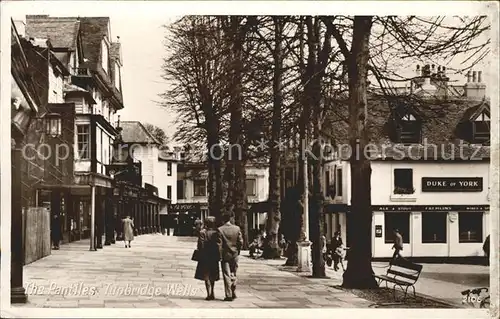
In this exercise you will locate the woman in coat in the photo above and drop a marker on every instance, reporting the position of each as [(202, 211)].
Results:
[(128, 231), (207, 269)]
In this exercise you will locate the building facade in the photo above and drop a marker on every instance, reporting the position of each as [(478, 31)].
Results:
[(87, 97), (430, 173)]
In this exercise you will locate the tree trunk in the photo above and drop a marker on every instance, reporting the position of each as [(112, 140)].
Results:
[(214, 185), (272, 248), (359, 273)]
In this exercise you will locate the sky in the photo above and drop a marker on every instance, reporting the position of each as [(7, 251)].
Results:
[(140, 28)]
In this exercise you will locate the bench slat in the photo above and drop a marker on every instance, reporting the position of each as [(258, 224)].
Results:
[(402, 274), (394, 280)]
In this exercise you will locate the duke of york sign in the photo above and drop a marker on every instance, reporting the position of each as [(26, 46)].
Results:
[(452, 184)]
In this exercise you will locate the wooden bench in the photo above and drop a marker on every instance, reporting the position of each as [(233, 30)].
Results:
[(402, 273)]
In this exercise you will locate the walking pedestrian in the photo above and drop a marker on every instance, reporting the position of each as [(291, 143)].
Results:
[(209, 245), (337, 251), (232, 241), (55, 233), (128, 230), (398, 244), (197, 227)]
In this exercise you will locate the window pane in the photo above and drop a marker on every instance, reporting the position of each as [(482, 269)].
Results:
[(169, 192), (434, 227), (180, 189), (83, 137), (400, 221), (200, 188), (403, 181), (250, 187), (470, 225), (339, 182)]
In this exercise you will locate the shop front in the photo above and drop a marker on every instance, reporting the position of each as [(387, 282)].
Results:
[(441, 232), (181, 217)]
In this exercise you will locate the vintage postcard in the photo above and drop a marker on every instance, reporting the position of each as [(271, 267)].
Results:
[(249, 159)]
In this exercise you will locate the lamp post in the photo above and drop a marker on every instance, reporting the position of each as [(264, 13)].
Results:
[(304, 245)]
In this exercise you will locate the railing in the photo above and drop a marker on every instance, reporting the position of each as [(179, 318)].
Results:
[(81, 71)]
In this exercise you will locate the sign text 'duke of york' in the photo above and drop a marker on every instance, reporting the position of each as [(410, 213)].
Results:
[(452, 184)]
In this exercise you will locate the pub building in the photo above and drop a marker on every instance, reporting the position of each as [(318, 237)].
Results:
[(430, 172)]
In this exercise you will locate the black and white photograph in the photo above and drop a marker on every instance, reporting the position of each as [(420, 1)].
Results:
[(255, 159)]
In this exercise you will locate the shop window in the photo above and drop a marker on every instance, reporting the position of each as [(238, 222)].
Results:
[(169, 192), (403, 181), (180, 190), (200, 187), (470, 226), (400, 221), (251, 187), (434, 225)]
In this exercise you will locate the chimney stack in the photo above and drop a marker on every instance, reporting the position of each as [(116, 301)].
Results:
[(475, 89)]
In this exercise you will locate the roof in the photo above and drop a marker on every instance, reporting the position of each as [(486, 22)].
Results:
[(62, 32), (71, 89), (135, 132), (93, 29), (439, 123)]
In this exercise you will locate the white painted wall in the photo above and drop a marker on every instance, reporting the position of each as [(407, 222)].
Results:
[(148, 155), (55, 87), (163, 180)]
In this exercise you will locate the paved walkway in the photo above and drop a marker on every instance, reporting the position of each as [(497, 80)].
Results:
[(157, 272)]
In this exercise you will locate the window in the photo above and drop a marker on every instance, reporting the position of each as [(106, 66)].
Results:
[(400, 221), (403, 181), (180, 190), (338, 183), (434, 227), (83, 141), (481, 132), (410, 130), (470, 227), (200, 187), (104, 57), (169, 169), (251, 187), (169, 192)]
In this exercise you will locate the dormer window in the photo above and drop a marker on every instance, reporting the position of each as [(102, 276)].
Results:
[(409, 129), (481, 129)]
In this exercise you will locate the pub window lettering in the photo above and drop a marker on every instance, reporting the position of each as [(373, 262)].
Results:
[(470, 225), (200, 188), (403, 181), (434, 229)]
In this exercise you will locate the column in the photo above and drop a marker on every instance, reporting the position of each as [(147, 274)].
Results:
[(99, 218), (92, 219), (17, 291), (108, 218)]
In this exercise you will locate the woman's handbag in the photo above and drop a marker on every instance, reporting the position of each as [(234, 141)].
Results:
[(196, 255)]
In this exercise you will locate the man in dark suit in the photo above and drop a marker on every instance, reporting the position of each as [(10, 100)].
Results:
[(232, 241), (398, 244)]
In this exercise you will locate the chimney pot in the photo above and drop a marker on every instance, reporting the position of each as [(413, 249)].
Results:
[(474, 76), (479, 76)]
